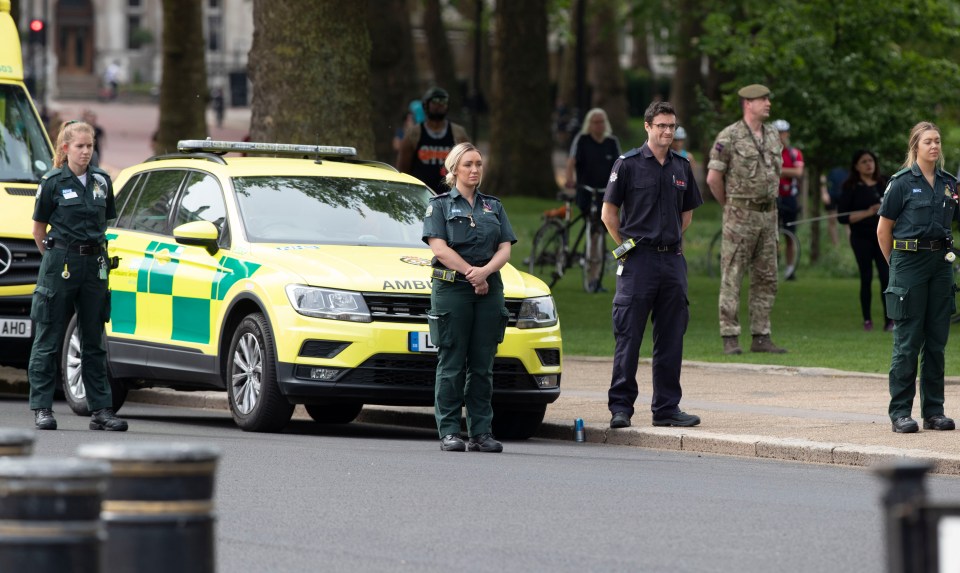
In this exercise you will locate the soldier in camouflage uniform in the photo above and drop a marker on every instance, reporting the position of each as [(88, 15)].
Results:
[(744, 175)]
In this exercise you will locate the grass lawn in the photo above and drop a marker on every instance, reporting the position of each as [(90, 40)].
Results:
[(816, 317)]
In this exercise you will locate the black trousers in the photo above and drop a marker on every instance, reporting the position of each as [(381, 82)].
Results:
[(868, 254), (651, 285)]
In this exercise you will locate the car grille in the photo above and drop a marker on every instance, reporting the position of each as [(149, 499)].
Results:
[(413, 308), (21, 192), (421, 371), (549, 356), (322, 348), (25, 264)]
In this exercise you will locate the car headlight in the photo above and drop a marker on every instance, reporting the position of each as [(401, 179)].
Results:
[(328, 303), (539, 312)]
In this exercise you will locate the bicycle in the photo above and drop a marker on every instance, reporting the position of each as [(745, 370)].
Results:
[(553, 253), (784, 266)]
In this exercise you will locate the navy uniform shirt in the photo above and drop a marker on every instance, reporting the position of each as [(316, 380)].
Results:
[(76, 213), (651, 196), (919, 211), (449, 217)]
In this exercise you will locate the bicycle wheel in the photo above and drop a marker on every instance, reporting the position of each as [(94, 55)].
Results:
[(788, 254), (548, 257), (713, 254)]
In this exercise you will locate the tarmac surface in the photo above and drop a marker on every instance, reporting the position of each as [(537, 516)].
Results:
[(801, 414)]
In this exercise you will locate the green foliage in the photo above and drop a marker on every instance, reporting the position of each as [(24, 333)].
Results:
[(845, 74)]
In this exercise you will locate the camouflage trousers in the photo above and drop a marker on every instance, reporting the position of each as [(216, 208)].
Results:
[(749, 243)]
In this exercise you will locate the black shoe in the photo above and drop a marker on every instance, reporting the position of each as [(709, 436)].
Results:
[(105, 419), (484, 443), (620, 420), (938, 422), (452, 443), (44, 420), (678, 419), (905, 425)]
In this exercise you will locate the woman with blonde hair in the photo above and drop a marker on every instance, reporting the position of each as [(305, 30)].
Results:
[(470, 237), (592, 154), (73, 204), (914, 232)]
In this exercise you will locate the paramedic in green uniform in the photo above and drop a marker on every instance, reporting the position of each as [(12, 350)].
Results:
[(918, 208), (75, 200), (470, 237)]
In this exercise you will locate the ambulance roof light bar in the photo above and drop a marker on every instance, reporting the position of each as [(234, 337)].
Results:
[(251, 147)]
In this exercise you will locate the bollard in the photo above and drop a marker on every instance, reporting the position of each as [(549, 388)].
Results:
[(903, 505), (578, 433), (16, 442), (50, 515), (158, 507)]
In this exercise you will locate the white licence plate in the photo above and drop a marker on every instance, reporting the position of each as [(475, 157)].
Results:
[(16, 328), (420, 342)]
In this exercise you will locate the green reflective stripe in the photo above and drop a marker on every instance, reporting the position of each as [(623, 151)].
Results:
[(191, 319), (123, 311), (235, 270), (155, 278)]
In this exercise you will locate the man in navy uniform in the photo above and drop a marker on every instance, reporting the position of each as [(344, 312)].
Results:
[(649, 202)]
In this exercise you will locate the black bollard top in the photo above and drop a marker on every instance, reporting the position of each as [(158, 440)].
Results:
[(24, 468), (155, 452), (903, 469), (16, 436)]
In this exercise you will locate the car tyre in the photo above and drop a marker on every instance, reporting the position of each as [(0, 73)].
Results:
[(334, 413), (71, 372), (251, 378), (517, 422)]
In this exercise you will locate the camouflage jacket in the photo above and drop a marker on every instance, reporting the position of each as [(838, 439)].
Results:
[(751, 167)]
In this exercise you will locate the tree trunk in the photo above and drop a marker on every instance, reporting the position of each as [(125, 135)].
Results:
[(640, 55), (479, 84), (393, 72), (687, 76), (520, 149), (441, 59), (603, 56), (310, 68), (183, 89)]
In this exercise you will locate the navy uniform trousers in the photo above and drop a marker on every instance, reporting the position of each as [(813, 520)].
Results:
[(652, 284)]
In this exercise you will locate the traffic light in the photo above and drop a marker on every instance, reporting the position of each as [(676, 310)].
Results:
[(38, 32)]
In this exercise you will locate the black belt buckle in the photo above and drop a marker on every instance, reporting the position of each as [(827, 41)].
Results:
[(444, 275), (905, 244), (662, 248)]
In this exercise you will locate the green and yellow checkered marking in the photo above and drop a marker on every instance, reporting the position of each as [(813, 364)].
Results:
[(163, 293)]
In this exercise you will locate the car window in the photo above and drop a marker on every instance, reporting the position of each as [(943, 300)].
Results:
[(130, 189), (202, 200), (332, 210), (154, 201)]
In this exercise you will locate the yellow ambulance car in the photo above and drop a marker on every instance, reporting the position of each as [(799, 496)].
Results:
[(294, 275), (25, 155)]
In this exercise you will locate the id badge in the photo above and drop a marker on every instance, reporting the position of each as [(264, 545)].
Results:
[(619, 269), (102, 272)]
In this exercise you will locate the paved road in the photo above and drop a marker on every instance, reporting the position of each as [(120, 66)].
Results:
[(365, 497)]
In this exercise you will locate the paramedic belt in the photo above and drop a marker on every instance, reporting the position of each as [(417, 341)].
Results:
[(752, 204), (82, 248), (919, 245), (660, 248), (448, 275)]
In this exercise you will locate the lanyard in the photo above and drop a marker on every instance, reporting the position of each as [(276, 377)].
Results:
[(756, 143)]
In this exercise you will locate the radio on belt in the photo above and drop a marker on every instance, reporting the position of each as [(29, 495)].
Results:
[(624, 248)]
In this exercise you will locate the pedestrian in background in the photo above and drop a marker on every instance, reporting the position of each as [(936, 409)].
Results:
[(859, 203), (592, 154), (788, 206), (75, 200), (470, 237), (744, 175), (916, 215), (679, 141), (649, 202), (425, 146)]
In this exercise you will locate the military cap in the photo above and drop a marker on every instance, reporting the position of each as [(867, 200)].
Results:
[(753, 91)]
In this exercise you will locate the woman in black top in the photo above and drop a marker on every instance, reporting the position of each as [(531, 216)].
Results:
[(860, 201)]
